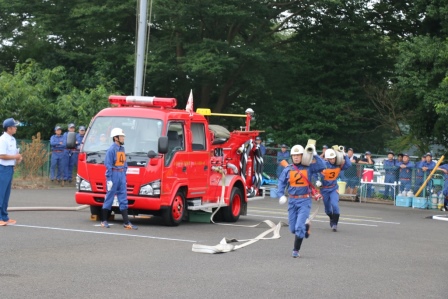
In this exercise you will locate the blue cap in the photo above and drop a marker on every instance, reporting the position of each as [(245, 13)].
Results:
[(10, 122), (406, 154), (258, 138), (325, 146), (57, 128), (82, 128), (284, 145), (368, 153), (72, 125), (391, 152), (429, 154)]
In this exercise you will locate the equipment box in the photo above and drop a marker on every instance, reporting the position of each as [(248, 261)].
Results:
[(419, 202), (403, 201)]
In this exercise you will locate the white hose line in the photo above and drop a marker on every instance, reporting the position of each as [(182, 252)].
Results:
[(16, 209)]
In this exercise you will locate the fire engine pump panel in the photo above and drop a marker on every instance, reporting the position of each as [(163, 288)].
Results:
[(177, 162)]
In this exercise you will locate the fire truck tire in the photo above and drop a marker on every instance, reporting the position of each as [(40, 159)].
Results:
[(174, 215), (232, 212), (96, 210)]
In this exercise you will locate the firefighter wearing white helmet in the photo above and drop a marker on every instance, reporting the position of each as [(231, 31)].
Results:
[(296, 177), (116, 167), (329, 187)]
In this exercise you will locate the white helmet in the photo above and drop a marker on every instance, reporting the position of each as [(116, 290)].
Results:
[(297, 150), (330, 154), (116, 132)]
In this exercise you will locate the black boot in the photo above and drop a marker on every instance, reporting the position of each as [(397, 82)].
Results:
[(104, 214), (124, 214), (335, 222), (331, 219), (297, 245)]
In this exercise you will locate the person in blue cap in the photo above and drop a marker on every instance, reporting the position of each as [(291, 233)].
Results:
[(427, 166), (330, 186), (419, 173), (391, 170), (70, 156), (79, 138), (324, 148), (283, 154), (57, 145), (405, 173), (369, 163), (9, 156), (116, 167), (258, 141), (444, 169)]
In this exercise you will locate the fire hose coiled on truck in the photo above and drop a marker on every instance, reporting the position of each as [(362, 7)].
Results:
[(245, 150)]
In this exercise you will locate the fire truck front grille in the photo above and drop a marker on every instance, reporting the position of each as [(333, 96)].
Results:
[(101, 187), (130, 188)]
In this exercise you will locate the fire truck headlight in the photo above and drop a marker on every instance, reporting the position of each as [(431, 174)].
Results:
[(82, 184), (152, 188)]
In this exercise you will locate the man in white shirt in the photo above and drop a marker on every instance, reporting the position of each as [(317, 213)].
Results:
[(9, 155)]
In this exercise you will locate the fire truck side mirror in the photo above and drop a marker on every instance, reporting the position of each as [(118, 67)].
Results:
[(163, 145), (152, 154)]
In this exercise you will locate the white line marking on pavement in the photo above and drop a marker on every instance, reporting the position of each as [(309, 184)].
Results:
[(314, 220), (104, 233)]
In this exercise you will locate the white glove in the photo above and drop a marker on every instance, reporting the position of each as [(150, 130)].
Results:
[(283, 200), (318, 184), (109, 185)]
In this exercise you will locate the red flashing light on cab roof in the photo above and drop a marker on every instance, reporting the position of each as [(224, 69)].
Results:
[(142, 101)]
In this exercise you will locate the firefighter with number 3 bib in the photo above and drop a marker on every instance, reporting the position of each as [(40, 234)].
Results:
[(330, 187), (297, 178), (116, 167)]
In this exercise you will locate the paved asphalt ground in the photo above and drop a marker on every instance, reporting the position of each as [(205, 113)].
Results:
[(380, 251)]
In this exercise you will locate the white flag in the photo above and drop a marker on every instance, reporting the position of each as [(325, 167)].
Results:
[(189, 107)]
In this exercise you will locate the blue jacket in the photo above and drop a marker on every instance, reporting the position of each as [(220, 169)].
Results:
[(391, 167), (330, 175), (282, 156), (406, 173), (57, 143), (115, 158), (293, 177)]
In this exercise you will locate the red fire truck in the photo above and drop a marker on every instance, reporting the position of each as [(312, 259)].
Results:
[(177, 161)]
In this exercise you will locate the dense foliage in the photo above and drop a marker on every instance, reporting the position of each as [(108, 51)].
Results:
[(365, 74)]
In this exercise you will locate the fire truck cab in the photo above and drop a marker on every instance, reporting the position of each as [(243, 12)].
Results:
[(176, 162)]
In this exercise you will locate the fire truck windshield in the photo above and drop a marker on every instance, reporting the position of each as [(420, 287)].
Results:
[(142, 135)]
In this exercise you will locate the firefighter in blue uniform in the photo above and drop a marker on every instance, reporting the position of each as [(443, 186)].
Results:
[(116, 167), (57, 144), (330, 187), (444, 169), (405, 173), (427, 166), (79, 138), (297, 178), (283, 154), (419, 173), (391, 170), (70, 156)]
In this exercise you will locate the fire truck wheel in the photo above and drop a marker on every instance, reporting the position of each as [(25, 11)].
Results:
[(232, 212), (174, 215), (96, 210)]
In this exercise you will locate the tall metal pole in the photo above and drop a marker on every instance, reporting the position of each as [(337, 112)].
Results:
[(141, 47)]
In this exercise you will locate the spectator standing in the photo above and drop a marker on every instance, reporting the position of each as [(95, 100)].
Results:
[(283, 154), (427, 166), (57, 144), (405, 173), (116, 167), (368, 163), (391, 171), (444, 169), (296, 178), (351, 174), (9, 156), (419, 173), (70, 156), (330, 187), (324, 148), (259, 142)]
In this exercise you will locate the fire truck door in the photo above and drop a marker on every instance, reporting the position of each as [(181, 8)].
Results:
[(200, 161)]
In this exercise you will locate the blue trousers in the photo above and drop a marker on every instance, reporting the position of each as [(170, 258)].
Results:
[(57, 160), (405, 185), (119, 189), (390, 178), (6, 173), (331, 200), (298, 211), (70, 160), (418, 184)]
